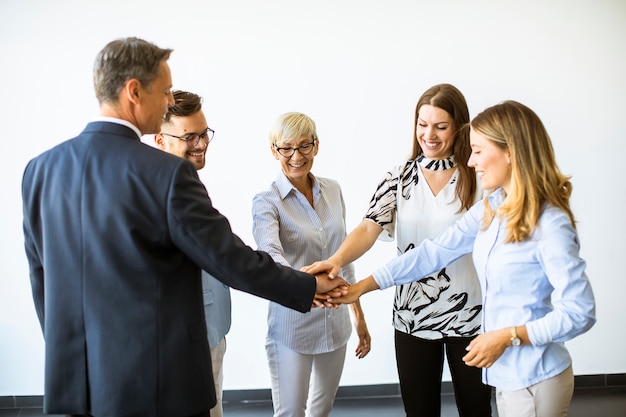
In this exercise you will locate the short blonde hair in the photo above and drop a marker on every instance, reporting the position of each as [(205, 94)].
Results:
[(535, 176), (292, 125)]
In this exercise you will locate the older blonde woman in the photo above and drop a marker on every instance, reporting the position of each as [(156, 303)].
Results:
[(299, 219)]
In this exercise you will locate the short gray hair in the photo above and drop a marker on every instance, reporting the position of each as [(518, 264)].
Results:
[(122, 60)]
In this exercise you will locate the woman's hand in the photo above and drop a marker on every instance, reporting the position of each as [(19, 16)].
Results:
[(365, 340), (353, 292), (486, 348), (329, 266), (321, 300)]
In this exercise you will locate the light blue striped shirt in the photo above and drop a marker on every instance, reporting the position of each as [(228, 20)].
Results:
[(217, 308), (540, 282), (296, 234)]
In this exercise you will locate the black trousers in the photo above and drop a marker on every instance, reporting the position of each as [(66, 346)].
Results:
[(420, 368)]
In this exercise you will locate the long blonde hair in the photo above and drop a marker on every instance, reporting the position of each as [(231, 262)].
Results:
[(535, 176)]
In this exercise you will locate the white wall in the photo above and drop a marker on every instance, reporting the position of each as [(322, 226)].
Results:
[(357, 67)]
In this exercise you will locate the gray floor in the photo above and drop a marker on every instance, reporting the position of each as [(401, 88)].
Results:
[(587, 402)]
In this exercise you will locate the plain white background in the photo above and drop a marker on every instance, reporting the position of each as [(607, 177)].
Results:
[(357, 67)]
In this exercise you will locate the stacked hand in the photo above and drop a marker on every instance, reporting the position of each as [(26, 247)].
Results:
[(340, 293), (328, 266), (353, 292), (327, 289)]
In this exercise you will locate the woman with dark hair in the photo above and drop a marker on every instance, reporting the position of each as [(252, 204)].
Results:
[(439, 314)]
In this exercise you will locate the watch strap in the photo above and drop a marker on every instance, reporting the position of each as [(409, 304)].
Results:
[(515, 340)]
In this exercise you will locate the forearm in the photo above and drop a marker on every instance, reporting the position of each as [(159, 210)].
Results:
[(353, 292), (364, 345), (366, 285), (357, 311), (359, 241)]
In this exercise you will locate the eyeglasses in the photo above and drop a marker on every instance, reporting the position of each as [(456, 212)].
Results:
[(303, 149), (194, 138)]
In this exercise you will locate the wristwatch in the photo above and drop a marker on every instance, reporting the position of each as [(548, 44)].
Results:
[(515, 340)]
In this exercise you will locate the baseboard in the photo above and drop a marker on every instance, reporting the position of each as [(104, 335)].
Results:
[(582, 382), (357, 391)]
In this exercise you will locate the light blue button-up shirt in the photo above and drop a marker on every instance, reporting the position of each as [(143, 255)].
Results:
[(296, 234), (217, 308), (540, 283)]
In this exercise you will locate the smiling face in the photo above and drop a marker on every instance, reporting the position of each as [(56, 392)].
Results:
[(297, 166), (491, 162), (435, 131), (184, 126)]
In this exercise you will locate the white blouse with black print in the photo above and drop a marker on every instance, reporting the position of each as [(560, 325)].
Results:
[(445, 304)]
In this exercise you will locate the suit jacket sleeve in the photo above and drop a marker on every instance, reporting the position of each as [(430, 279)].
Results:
[(34, 259), (205, 235)]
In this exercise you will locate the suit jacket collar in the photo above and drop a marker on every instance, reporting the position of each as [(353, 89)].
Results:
[(107, 121)]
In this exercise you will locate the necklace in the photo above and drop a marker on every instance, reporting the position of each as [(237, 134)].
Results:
[(436, 164)]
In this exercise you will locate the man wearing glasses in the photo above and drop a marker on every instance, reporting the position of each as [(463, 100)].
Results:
[(185, 133)]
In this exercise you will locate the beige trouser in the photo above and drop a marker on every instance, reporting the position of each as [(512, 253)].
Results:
[(549, 398), (217, 359), (303, 384)]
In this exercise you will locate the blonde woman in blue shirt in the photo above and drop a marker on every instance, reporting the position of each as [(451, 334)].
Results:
[(536, 294), (299, 219)]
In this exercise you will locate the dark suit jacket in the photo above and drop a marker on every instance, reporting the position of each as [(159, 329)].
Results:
[(116, 233)]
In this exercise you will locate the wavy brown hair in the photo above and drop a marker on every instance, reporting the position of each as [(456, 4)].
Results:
[(447, 97), (185, 104), (535, 176)]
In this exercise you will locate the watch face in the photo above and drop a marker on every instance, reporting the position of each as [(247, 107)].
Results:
[(516, 341)]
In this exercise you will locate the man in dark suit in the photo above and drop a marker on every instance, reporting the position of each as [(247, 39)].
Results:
[(116, 234)]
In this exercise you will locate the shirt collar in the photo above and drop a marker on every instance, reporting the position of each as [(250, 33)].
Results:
[(120, 122), (285, 186), (497, 198)]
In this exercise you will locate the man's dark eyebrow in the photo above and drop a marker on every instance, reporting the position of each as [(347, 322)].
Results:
[(196, 133)]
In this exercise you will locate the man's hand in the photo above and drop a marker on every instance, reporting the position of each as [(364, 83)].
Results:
[(328, 288), (328, 266)]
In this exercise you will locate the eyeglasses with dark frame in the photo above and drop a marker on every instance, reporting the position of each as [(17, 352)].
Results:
[(303, 149), (193, 139)]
